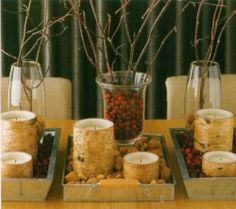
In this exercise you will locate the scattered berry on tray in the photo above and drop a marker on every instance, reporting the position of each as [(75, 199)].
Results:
[(43, 160)]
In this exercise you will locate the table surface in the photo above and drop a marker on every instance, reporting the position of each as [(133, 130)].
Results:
[(55, 197)]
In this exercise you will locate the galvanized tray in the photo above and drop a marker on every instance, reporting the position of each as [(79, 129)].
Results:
[(204, 188), (32, 189), (142, 192)]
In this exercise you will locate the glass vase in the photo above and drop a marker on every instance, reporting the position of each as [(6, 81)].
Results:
[(26, 90), (124, 95), (203, 89)]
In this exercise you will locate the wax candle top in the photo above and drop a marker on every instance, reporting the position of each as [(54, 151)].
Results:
[(15, 158), (214, 113), (18, 115), (93, 124), (220, 156), (141, 158)]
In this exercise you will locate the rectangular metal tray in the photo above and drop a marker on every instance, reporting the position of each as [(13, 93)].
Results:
[(32, 189), (142, 192), (204, 188)]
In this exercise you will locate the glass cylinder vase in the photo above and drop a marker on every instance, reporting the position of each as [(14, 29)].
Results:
[(124, 95), (26, 90), (203, 89)]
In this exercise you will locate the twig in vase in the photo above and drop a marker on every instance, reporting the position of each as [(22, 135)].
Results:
[(174, 29), (38, 32), (228, 20), (214, 28), (216, 33), (19, 60), (197, 29), (104, 40), (217, 28)]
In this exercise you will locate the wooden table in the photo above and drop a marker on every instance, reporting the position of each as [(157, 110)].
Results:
[(55, 198)]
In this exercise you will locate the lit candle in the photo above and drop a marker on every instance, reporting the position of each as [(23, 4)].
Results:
[(213, 130), (142, 166), (17, 165), (19, 132), (219, 163), (93, 147)]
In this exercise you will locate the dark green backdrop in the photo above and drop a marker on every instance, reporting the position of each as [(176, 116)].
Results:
[(69, 61)]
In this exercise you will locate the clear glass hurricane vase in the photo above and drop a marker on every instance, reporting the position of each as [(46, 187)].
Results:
[(26, 89), (124, 96), (203, 89)]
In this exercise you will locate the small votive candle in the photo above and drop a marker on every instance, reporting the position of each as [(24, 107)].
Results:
[(219, 163), (213, 130), (17, 165), (142, 166)]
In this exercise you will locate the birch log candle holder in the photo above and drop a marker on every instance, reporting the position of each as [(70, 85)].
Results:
[(17, 165), (219, 163), (93, 147), (142, 166), (213, 130), (20, 132)]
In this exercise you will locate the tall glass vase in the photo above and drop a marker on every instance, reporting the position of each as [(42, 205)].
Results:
[(26, 90), (124, 103), (203, 89)]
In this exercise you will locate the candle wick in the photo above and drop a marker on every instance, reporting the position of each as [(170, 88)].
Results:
[(15, 161), (95, 128), (141, 160), (220, 158)]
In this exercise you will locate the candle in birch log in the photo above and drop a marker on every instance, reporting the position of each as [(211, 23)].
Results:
[(93, 147), (19, 132), (17, 165), (213, 130), (142, 166), (219, 163)]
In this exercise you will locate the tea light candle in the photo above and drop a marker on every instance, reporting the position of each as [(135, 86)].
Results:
[(219, 163), (19, 132), (142, 166), (93, 147), (17, 165), (213, 130)]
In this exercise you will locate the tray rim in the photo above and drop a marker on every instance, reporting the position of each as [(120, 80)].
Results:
[(166, 153), (181, 161), (52, 164)]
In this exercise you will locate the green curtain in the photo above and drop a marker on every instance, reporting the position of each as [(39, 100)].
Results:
[(67, 59)]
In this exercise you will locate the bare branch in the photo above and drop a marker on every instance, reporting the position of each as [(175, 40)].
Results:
[(90, 39), (8, 54), (101, 31), (197, 29), (174, 29), (124, 4), (150, 34), (228, 20), (117, 28), (146, 17), (24, 32), (215, 24)]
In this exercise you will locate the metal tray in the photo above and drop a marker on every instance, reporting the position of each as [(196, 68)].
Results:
[(204, 188), (32, 189), (142, 192)]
